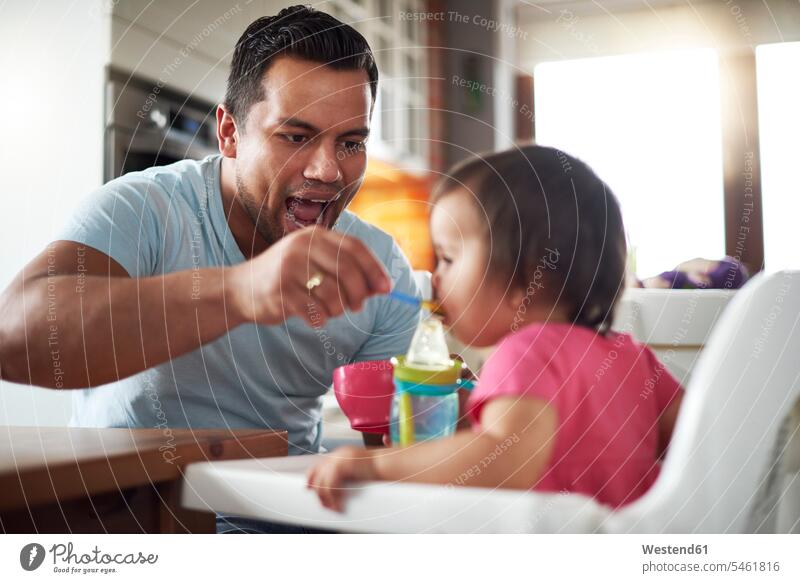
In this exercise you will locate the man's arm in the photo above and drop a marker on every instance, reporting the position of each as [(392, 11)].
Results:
[(74, 318)]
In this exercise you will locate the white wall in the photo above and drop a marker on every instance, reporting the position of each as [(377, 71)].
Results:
[(52, 58)]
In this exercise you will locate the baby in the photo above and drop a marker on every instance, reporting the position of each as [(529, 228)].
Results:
[(531, 257)]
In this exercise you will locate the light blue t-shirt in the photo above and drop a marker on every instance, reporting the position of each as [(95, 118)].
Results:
[(171, 218)]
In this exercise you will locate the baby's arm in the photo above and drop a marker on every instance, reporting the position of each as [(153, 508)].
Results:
[(512, 450), (523, 428), (463, 421)]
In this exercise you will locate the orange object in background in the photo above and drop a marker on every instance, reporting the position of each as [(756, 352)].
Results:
[(397, 202)]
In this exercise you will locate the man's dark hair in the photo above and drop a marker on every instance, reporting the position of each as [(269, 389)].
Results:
[(298, 31), (536, 202)]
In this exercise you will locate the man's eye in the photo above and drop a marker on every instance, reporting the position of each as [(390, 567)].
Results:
[(352, 146), (295, 138)]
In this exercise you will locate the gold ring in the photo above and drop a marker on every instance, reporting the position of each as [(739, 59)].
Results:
[(314, 281)]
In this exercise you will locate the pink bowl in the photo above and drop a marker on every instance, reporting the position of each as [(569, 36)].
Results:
[(364, 391)]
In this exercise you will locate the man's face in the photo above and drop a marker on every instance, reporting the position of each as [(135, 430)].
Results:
[(302, 156)]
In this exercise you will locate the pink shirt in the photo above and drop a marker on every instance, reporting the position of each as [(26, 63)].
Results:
[(608, 393)]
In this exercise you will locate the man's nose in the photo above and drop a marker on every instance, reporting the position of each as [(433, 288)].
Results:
[(323, 166)]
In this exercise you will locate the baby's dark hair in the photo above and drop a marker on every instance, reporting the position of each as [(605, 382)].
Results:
[(538, 203)]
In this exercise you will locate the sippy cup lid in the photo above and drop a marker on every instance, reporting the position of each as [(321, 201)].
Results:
[(428, 350), (409, 373)]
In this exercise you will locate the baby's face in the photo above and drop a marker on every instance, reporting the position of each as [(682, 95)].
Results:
[(475, 305)]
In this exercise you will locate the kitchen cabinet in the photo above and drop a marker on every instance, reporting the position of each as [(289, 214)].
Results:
[(210, 28), (183, 44)]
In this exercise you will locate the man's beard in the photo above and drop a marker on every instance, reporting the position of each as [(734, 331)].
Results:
[(270, 228)]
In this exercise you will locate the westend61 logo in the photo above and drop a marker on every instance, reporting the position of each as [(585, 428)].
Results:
[(65, 560)]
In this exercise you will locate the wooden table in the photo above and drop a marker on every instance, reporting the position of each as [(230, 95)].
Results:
[(79, 480)]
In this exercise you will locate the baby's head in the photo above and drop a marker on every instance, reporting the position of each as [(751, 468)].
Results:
[(525, 235)]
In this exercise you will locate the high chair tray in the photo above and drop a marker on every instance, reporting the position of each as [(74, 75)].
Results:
[(274, 489)]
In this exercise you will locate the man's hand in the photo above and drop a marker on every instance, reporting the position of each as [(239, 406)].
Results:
[(346, 463), (274, 286)]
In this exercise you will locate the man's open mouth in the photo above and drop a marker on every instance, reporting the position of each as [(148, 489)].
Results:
[(307, 211)]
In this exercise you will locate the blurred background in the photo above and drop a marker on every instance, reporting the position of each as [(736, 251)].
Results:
[(688, 109)]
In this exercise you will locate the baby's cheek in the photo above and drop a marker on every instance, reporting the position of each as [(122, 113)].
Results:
[(470, 321), (447, 290), (462, 330)]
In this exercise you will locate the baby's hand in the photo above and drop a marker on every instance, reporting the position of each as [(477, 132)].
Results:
[(463, 396), (328, 476)]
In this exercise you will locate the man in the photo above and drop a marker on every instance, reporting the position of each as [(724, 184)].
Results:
[(223, 292)]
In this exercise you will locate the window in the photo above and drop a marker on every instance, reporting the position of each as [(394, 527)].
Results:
[(649, 125), (400, 123), (777, 67)]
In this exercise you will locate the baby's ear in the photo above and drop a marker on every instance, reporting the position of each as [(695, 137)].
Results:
[(515, 296)]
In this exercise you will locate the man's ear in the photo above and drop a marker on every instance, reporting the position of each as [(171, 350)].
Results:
[(227, 133)]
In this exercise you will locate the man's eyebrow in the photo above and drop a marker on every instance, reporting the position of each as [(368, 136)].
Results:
[(304, 125), (363, 132), (298, 123)]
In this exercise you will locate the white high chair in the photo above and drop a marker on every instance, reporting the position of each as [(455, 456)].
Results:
[(724, 471), (674, 323)]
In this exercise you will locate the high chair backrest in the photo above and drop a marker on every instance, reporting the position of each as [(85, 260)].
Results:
[(674, 323), (742, 389)]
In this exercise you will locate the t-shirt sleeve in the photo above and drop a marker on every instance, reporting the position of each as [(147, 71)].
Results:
[(119, 219), (395, 321), (519, 367), (660, 382)]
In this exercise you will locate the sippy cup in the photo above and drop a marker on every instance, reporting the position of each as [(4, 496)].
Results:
[(425, 402)]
